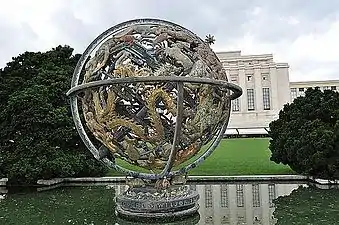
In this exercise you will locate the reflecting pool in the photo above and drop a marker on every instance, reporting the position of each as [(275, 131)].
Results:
[(220, 203)]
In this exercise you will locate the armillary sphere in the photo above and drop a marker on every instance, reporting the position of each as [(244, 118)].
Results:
[(151, 94)]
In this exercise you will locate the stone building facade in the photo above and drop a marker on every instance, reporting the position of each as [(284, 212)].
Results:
[(266, 89), (298, 88), (265, 85)]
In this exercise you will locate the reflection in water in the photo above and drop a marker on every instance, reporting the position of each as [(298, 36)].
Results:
[(240, 203), (3, 192), (220, 203), (309, 206)]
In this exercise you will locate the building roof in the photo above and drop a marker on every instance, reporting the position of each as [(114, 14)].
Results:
[(323, 82), (236, 55)]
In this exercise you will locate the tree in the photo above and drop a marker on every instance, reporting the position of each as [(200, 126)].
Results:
[(306, 135), (38, 139)]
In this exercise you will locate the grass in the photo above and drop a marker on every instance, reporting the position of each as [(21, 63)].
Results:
[(241, 156)]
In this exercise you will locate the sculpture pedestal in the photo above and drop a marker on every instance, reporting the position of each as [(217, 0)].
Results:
[(148, 202)]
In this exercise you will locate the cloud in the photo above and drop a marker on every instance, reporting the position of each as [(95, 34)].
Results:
[(302, 33), (16, 39), (312, 56)]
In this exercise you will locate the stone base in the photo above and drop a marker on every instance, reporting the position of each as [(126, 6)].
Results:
[(148, 202)]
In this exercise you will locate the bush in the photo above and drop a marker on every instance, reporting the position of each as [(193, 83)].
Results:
[(306, 135), (37, 134)]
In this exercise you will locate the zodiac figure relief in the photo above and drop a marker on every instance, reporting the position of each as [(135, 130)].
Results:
[(176, 53), (136, 121)]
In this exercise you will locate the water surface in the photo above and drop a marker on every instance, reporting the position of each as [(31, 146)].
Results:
[(220, 203)]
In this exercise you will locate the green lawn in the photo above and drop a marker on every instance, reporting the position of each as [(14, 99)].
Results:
[(241, 156)]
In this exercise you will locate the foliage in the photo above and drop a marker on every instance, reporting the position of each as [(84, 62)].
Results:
[(37, 134), (306, 135)]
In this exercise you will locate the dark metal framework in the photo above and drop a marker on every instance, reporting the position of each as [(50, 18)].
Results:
[(178, 82)]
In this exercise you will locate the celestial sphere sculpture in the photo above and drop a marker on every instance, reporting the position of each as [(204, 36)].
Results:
[(155, 96)]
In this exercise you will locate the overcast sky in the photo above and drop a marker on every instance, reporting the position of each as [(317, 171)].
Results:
[(303, 33)]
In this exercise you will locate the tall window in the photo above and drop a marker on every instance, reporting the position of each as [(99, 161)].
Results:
[(223, 195), (256, 195), (266, 98), (235, 105), (293, 94), (208, 196), (240, 195), (271, 194), (250, 99)]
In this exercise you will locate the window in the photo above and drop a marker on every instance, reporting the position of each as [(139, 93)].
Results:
[(208, 196), (234, 78), (209, 220), (250, 99), (223, 196), (264, 76), (240, 195), (241, 220), (225, 220), (266, 98), (235, 105), (293, 93), (256, 195), (249, 77), (271, 194), (333, 88)]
